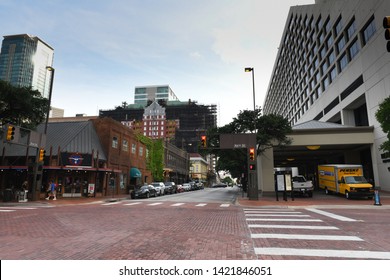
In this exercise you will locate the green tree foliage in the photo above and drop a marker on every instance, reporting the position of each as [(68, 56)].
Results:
[(21, 106), (383, 117), (271, 131)]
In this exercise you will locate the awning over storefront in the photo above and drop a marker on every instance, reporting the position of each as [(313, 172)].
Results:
[(135, 173)]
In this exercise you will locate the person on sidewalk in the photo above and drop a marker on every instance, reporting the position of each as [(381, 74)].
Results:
[(52, 189)]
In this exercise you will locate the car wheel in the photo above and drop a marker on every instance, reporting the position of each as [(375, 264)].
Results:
[(147, 195)]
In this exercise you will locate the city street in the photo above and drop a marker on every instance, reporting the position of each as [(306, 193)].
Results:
[(206, 224)]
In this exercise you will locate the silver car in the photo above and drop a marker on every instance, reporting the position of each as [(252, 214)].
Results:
[(160, 187)]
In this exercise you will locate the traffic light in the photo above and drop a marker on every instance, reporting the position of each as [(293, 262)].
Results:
[(251, 153), (42, 153), (386, 26), (203, 141), (252, 167), (10, 132)]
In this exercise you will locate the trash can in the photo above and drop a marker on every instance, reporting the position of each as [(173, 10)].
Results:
[(7, 195)]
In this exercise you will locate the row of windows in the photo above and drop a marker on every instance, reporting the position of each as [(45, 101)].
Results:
[(304, 73), (125, 146)]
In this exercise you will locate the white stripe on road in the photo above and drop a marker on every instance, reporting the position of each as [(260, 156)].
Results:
[(201, 205), (307, 237), (154, 204), (133, 203), (331, 215), (17, 208), (275, 215), (268, 209), (293, 227), (323, 253), (224, 205), (177, 204), (272, 212), (5, 210), (284, 220)]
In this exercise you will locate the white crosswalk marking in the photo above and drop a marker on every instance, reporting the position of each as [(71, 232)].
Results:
[(133, 203), (154, 204), (201, 205), (224, 205), (282, 224), (7, 210), (177, 204)]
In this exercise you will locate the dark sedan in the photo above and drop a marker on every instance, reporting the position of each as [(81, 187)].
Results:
[(144, 192)]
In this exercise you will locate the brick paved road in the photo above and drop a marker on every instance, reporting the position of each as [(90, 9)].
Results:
[(94, 231), (170, 230)]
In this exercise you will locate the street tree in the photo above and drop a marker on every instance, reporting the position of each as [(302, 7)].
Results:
[(22, 106), (383, 117)]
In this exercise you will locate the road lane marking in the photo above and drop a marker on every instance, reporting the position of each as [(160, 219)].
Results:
[(307, 237), (17, 208), (201, 205), (275, 215), (133, 203), (284, 220), (351, 254), (224, 205), (272, 212), (294, 227), (331, 215), (177, 204), (154, 204), (7, 210)]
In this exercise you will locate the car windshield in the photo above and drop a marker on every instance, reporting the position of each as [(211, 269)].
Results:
[(144, 187), (298, 179), (355, 180), (155, 184)]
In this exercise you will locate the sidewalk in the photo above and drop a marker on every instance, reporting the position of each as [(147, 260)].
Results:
[(319, 200)]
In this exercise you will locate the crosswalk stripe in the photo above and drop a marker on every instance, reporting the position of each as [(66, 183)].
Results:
[(111, 203), (354, 254), (284, 220), (201, 205), (294, 227), (275, 215), (331, 215), (177, 204), (154, 204), (133, 203), (307, 237), (224, 205), (6, 210), (272, 212)]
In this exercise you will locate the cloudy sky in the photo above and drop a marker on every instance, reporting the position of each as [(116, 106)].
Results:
[(104, 49)]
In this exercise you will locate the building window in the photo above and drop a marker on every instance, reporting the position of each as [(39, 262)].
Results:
[(141, 151), (115, 142), (341, 44), (369, 30), (338, 26), (133, 148), (331, 57), (333, 74), (351, 29), (354, 49), (125, 145), (343, 62)]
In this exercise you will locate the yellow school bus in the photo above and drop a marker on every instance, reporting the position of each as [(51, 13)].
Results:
[(346, 179)]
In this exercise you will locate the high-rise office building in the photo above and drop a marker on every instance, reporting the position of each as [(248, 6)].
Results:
[(24, 60), (332, 66), (150, 93)]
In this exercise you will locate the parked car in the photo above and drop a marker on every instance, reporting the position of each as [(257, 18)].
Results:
[(160, 187), (302, 186), (145, 191), (186, 187), (180, 188), (170, 187)]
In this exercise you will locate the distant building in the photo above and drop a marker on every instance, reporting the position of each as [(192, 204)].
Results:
[(143, 94), (198, 167), (154, 123), (23, 62)]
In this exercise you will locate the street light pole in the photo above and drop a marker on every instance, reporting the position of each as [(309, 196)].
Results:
[(251, 69), (50, 69)]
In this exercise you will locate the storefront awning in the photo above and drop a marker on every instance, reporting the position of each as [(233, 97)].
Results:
[(135, 173)]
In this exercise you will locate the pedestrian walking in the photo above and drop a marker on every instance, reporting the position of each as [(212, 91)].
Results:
[(52, 191)]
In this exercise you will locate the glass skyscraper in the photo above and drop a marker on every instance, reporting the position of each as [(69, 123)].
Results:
[(23, 62)]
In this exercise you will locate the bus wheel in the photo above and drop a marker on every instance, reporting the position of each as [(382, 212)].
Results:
[(347, 195)]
